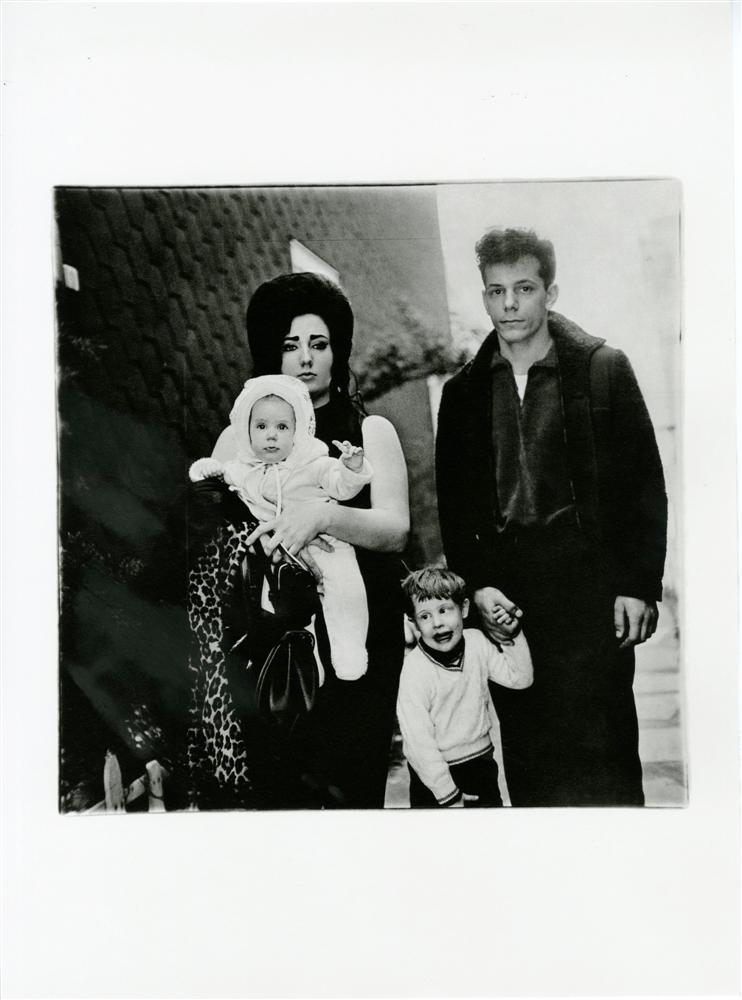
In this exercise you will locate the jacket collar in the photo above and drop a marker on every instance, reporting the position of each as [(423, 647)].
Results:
[(574, 349)]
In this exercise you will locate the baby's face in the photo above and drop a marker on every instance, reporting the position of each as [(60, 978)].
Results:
[(272, 427)]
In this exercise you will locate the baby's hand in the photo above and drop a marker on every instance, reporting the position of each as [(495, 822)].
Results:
[(205, 468), (350, 455)]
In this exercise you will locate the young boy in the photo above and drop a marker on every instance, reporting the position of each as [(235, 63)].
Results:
[(280, 459), (444, 703)]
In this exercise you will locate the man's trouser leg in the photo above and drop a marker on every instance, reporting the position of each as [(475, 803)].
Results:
[(572, 738)]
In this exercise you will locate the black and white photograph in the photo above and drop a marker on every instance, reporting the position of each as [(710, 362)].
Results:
[(451, 585), (369, 561)]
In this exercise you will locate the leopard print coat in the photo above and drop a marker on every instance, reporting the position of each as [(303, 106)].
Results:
[(218, 757)]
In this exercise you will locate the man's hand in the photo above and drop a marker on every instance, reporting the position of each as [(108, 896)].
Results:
[(635, 620), (490, 603)]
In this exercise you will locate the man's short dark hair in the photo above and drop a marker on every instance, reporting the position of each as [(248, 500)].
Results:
[(432, 583), (506, 246)]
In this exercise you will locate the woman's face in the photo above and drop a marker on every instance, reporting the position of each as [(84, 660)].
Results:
[(307, 355)]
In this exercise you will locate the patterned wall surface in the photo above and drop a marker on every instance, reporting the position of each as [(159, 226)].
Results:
[(152, 352), (165, 277)]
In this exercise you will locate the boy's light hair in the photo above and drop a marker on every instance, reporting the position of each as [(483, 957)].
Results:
[(432, 582)]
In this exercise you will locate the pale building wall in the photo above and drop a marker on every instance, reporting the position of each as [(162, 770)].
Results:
[(617, 247)]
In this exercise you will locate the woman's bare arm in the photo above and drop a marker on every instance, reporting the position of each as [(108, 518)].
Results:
[(385, 526), (382, 528)]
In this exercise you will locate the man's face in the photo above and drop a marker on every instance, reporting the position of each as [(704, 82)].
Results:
[(272, 427), (440, 622), (516, 300)]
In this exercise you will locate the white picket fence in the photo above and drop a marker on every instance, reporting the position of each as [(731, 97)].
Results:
[(117, 798)]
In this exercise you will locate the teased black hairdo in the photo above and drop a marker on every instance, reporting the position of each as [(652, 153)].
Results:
[(432, 582), (506, 246), (276, 304)]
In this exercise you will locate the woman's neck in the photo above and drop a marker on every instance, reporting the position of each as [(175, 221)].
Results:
[(321, 400)]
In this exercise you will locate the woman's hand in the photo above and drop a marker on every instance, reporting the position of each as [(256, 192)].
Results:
[(298, 525)]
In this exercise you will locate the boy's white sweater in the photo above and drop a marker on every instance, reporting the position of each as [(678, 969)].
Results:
[(444, 712)]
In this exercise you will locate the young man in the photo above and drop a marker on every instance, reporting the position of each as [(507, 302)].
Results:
[(551, 495)]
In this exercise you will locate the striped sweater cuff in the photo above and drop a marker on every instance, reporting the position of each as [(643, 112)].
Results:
[(449, 800)]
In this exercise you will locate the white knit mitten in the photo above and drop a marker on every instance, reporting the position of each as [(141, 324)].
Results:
[(205, 468)]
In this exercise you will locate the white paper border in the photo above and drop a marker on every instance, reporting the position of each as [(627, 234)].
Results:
[(521, 902)]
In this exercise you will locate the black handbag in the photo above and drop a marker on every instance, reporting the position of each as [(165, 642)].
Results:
[(273, 644), (293, 593), (289, 679)]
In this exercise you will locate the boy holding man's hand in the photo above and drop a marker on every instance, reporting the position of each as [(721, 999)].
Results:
[(444, 707)]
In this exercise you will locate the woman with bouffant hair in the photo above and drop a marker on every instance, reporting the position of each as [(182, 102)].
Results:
[(302, 325)]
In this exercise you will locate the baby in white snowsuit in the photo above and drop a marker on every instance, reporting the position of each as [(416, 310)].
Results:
[(279, 458)]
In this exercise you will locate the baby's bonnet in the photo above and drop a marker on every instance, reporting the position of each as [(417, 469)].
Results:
[(306, 447)]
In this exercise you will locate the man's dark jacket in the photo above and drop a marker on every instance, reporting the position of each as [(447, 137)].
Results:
[(614, 464)]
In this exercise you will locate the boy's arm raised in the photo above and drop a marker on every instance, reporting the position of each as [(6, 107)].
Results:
[(510, 665)]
